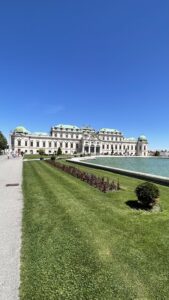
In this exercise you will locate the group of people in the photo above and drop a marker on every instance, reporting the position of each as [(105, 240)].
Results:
[(13, 154)]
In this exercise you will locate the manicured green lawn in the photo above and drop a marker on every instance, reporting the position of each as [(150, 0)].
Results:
[(79, 243), (32, 156)]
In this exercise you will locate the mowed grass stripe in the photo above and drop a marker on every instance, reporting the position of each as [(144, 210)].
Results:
[(101, 246), (70, 251)]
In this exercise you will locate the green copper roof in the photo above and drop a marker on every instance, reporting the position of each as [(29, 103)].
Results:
[(21, 129), (66, 126), (40, 133), (108, 130), (131, 139), (142, 138)]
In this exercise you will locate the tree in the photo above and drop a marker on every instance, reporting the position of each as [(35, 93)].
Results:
[(59, 152), (41, 151), (147, 194), (157, 153), (3, 142)]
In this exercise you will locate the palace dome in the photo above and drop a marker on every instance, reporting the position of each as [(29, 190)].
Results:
[(21, 129), (142, 138)]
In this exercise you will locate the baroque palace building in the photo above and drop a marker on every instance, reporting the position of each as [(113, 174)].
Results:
[(74, 140)]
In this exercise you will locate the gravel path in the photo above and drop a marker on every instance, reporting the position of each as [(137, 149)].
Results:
[(10, 227)]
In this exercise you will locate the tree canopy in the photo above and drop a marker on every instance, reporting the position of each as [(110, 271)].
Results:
[(59, 152), (3, 142)]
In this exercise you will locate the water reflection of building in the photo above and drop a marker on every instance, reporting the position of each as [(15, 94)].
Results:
[(72, 139)]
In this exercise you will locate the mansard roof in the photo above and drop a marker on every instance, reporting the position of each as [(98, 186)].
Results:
[(131, 139), (108, 130), (40, 133), (66, 126)]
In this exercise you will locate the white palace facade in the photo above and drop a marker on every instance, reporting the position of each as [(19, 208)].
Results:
[(74, 140)]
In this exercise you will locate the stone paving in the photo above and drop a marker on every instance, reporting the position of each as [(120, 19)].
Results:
[(11, 203)]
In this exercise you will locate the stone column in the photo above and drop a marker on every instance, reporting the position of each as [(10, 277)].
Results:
[(95, 149), (82, 147), (89, 148)]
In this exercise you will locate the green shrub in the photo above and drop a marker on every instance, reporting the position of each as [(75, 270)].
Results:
[(53, 157), (147, 194), (41, 151)]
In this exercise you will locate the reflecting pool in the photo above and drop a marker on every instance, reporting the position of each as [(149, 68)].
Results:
[(151, 165)]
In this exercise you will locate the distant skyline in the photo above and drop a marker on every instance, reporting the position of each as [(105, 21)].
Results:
[(100, 63)]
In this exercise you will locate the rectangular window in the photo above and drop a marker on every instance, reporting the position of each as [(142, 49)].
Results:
[(50, 144), (71, 145), (31, 143), (103, 146), (77, 146), (55, 144), (19, 143), (107, 146), (66, 145), (37, 144), (44, 144), (60, 144), (26, 143), (77, 136)]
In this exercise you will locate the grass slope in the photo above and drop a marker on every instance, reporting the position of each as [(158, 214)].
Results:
[(79, 243)]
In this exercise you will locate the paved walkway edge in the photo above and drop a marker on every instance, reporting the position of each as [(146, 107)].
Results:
[(11, 207)]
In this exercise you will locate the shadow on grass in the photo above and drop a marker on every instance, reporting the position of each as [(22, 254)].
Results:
[(134, 204)]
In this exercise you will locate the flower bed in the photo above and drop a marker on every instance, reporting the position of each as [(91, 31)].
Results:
[(101, 183)]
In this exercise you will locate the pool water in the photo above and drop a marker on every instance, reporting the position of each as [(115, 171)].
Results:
[(151, 165)]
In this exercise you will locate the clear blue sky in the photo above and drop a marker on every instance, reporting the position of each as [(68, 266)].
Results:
[(99, 62)]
